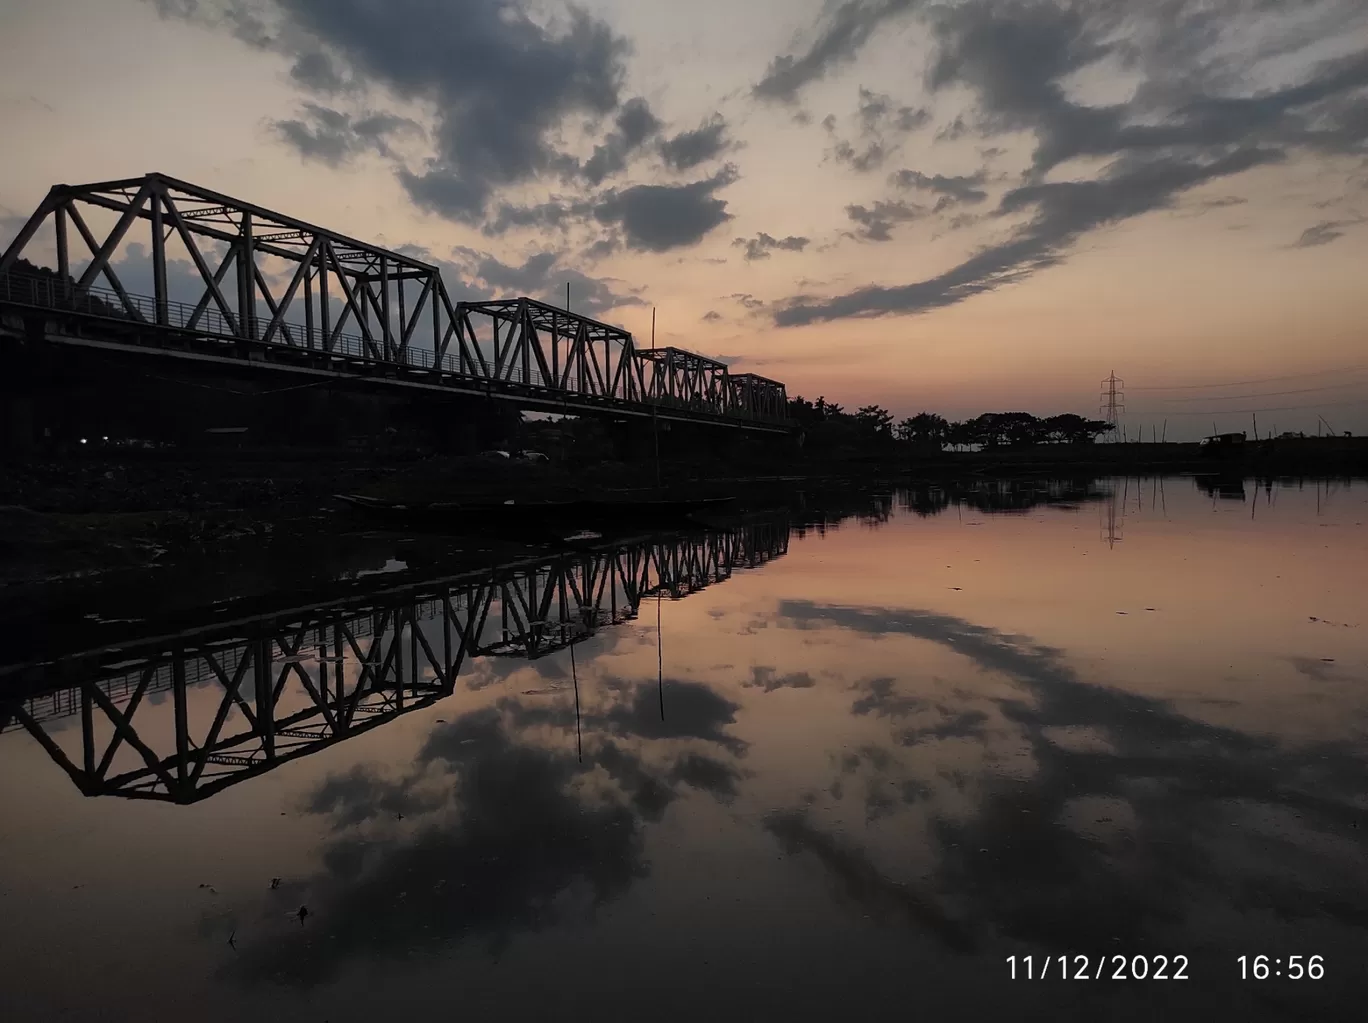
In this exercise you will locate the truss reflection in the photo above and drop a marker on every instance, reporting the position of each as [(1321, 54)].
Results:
[(180, 719)]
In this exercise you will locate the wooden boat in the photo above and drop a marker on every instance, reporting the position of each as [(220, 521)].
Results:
[(540, 516)]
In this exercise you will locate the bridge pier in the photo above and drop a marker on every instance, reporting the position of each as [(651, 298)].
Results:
[(20, 424), (21, 414)]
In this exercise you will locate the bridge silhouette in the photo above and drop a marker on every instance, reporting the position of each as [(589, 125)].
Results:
[(368, 313), (251, 695)]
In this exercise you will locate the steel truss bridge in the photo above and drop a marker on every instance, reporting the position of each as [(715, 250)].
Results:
[(249, 696), (285, 295)]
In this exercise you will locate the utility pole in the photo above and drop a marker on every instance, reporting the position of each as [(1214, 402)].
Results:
[(567, 296), (1112, 402), (655, 431)]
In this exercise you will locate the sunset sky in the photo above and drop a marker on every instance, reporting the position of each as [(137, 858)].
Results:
[(959, 206)]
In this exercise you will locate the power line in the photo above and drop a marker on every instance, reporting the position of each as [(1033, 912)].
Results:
[(1263, 394), (1261, 380), (1281, 408)]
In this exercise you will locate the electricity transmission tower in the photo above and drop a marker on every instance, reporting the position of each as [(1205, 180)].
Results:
[(1113, 402)]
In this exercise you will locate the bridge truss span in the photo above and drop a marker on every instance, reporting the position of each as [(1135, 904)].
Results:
[(249, 696), (160, 264)]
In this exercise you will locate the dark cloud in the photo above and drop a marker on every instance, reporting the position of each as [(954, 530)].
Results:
[(332, 137), (708, 774), (1197, 116), (882, 699), (557, 214), (688, 149), (875, 223), (502, 81), (881, 124), (861, 882), (361, 794), (318, 72), (543, 276), (763, 244), (952, 190), (502, 834), (1194, 803), (767, 677), (1323, 233), (692, 710), (512, 835), (747, 301), (656, 218), (966, 724), (843, 31), (1064, 211), (988, 647), (712, 316), (10, 224), (635, 124)]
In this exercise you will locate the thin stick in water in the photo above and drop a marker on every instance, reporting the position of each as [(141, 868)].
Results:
[(574, 676), (660, 660)]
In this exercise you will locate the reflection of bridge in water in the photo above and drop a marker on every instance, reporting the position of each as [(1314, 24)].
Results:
[(247, 697)]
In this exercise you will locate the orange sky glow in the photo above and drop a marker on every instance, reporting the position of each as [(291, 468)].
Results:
[(957, 207)]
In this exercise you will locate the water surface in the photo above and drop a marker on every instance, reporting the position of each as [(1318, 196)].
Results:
[(841, 760)]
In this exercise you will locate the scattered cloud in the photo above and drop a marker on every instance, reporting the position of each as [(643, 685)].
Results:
[(688, 149), (1197, 116), (864, 885), (10, 223), (763, 244), (875, 223), (1213, 779), (711, 316), (656, 218), (635, 124), (842, 32), (952, 190), (1324, 233), (318, 72), (881, 124), (543, 276), (332, 137), (767, 677), (494, 127), (1221, 202)]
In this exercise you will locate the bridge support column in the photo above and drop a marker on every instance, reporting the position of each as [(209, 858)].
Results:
[(632, 441), (19, 423), (20, 411)]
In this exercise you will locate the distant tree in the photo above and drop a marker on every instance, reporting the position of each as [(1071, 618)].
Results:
[(803, 411), (1073, 429), (958, 435), (986, 430), (1021, 429), (876, 421), (928, 428)]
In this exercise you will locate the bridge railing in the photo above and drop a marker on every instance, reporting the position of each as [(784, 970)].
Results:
[(45, 291)]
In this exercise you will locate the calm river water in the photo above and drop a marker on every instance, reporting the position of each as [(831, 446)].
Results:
[(844, 762)]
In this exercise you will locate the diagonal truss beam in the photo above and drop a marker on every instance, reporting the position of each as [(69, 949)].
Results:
[(525, 346)]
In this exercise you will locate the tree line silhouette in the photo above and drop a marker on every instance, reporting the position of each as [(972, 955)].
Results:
[(827, 423)]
